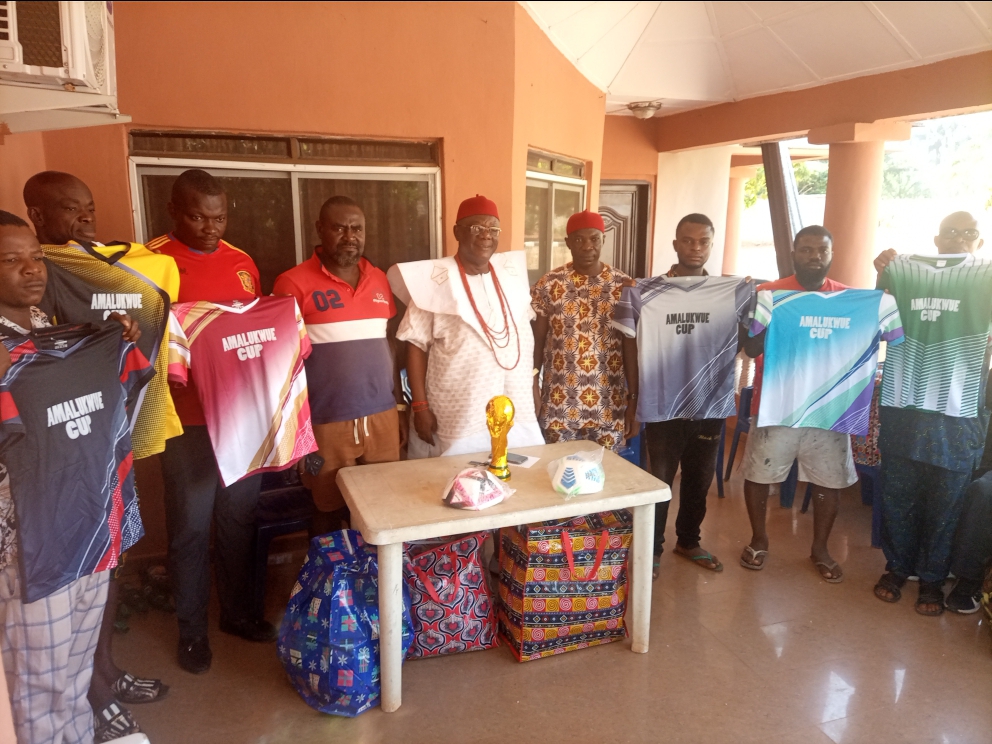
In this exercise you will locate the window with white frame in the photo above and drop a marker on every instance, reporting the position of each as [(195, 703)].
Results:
[(555, 191), (273, 206)]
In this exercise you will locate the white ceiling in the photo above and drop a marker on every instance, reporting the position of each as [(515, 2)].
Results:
[(692, 54)]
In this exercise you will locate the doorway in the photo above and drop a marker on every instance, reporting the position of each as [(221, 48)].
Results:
[(625, 209)]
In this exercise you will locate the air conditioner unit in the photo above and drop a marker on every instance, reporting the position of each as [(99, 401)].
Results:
[(58, 45)]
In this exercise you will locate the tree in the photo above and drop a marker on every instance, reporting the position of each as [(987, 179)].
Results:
[(808, 181), (900, 179), (755, 188)]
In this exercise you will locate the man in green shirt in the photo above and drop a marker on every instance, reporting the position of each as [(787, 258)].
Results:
[(933, 415)]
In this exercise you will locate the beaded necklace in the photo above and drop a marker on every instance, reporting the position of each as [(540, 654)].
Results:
[(496, 339)]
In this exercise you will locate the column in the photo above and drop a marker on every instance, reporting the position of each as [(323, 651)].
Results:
[(739, 175), (854, 186)]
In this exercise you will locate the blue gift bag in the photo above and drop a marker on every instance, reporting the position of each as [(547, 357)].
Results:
[(329, 639)]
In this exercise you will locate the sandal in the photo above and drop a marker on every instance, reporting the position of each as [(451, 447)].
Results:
[(656, 567), (113, 722), (754, 555), (836, 575), (130, 689), (891, 583), (931, 593), (715, 564)]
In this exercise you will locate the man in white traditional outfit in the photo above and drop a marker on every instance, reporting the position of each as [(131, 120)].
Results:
[(467, 326)]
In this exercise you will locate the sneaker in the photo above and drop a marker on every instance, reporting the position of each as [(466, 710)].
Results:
[(964, 597), (256, 631), (194, 654)]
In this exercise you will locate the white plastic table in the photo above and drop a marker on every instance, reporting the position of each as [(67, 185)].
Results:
[(400, 501)]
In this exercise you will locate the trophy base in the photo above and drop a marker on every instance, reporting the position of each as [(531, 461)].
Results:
[(502, 473)]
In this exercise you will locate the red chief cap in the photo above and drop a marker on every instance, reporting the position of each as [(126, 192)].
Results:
[(478, 204), (582, 220)]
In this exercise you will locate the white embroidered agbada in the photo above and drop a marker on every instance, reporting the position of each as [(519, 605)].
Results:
[(462, 373)]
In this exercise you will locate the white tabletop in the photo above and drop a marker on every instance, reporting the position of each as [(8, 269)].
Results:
[(400, 501)]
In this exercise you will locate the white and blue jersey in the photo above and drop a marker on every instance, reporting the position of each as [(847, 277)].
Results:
[(821, 353)]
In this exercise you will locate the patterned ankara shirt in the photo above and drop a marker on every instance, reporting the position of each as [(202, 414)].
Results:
[(584, 392)]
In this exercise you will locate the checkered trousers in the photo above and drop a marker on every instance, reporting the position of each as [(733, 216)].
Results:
[(48, 649)]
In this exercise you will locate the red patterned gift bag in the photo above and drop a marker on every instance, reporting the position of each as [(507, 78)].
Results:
[(563, 584), (452, 607)]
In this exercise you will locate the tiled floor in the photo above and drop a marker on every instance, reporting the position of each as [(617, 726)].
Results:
[(776, 656)]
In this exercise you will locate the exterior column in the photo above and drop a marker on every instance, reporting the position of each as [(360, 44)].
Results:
[(854, 185), (739, 176)]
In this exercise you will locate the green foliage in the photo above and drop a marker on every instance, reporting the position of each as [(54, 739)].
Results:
[(900, 179), (810, 179), (755, 188), (811, 176)]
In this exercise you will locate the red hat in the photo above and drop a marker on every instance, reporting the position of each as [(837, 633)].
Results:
[(478, 204), (582, 220)]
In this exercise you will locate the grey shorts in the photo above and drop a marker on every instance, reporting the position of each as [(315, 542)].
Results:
[(824, 456)]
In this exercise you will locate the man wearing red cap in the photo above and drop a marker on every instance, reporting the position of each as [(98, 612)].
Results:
[(586, 389), (468, 334)]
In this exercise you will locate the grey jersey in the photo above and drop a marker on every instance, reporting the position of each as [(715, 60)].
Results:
[(686, 329)]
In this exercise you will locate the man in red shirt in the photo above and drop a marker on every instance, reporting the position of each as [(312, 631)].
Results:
[(770, 451), (356, 401), (215, 271)]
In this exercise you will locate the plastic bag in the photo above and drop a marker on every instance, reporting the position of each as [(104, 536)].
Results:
[(329, 639), (476, 489), (578, 474)]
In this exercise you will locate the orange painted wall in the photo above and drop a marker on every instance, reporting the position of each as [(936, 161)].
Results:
[(21, 156), (629, 150), (950, 86), (405, 70), (555, 109)]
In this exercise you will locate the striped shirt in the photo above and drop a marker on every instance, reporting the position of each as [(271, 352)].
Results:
[(350, 370)]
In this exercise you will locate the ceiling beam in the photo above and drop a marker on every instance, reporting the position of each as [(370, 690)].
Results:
[(957, 85)]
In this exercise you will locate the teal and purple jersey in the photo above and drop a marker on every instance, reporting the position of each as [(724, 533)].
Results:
[(821, 354)]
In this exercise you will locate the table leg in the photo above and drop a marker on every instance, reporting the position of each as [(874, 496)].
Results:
[(641, 594), (391, 624)]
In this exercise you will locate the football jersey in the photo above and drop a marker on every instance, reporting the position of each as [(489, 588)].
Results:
[(686, 329), (88, 282), (350, 370), (946, 306), (248, 362), (821, 354), (225, 275), (66, 444)]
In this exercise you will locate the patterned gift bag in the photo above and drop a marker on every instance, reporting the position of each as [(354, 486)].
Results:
[(329, 638), (563, 584), (452, 607)]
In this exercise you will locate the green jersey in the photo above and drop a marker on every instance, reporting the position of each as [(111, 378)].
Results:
[(945, 303)]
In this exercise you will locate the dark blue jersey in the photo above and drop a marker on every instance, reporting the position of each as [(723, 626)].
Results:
[(65, 441)]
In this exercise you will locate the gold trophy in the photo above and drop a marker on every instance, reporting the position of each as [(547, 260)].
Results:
[(499, 419)]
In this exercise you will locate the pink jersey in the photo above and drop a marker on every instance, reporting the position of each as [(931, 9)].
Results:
[(247, 361)]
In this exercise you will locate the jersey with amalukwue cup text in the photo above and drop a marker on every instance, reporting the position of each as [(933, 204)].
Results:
[(247, 360), (87, 282), (66, 444)]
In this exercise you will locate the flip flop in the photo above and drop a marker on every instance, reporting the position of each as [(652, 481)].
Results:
[(717, 567), (833, 568), (754, 555)]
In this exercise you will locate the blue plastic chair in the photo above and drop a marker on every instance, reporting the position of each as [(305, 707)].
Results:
[(743, 427), (719, 461), (631, 451)]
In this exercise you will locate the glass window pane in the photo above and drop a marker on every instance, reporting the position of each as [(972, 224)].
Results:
[(260, 218), (397, 216), (567, 201), (536, 229)]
